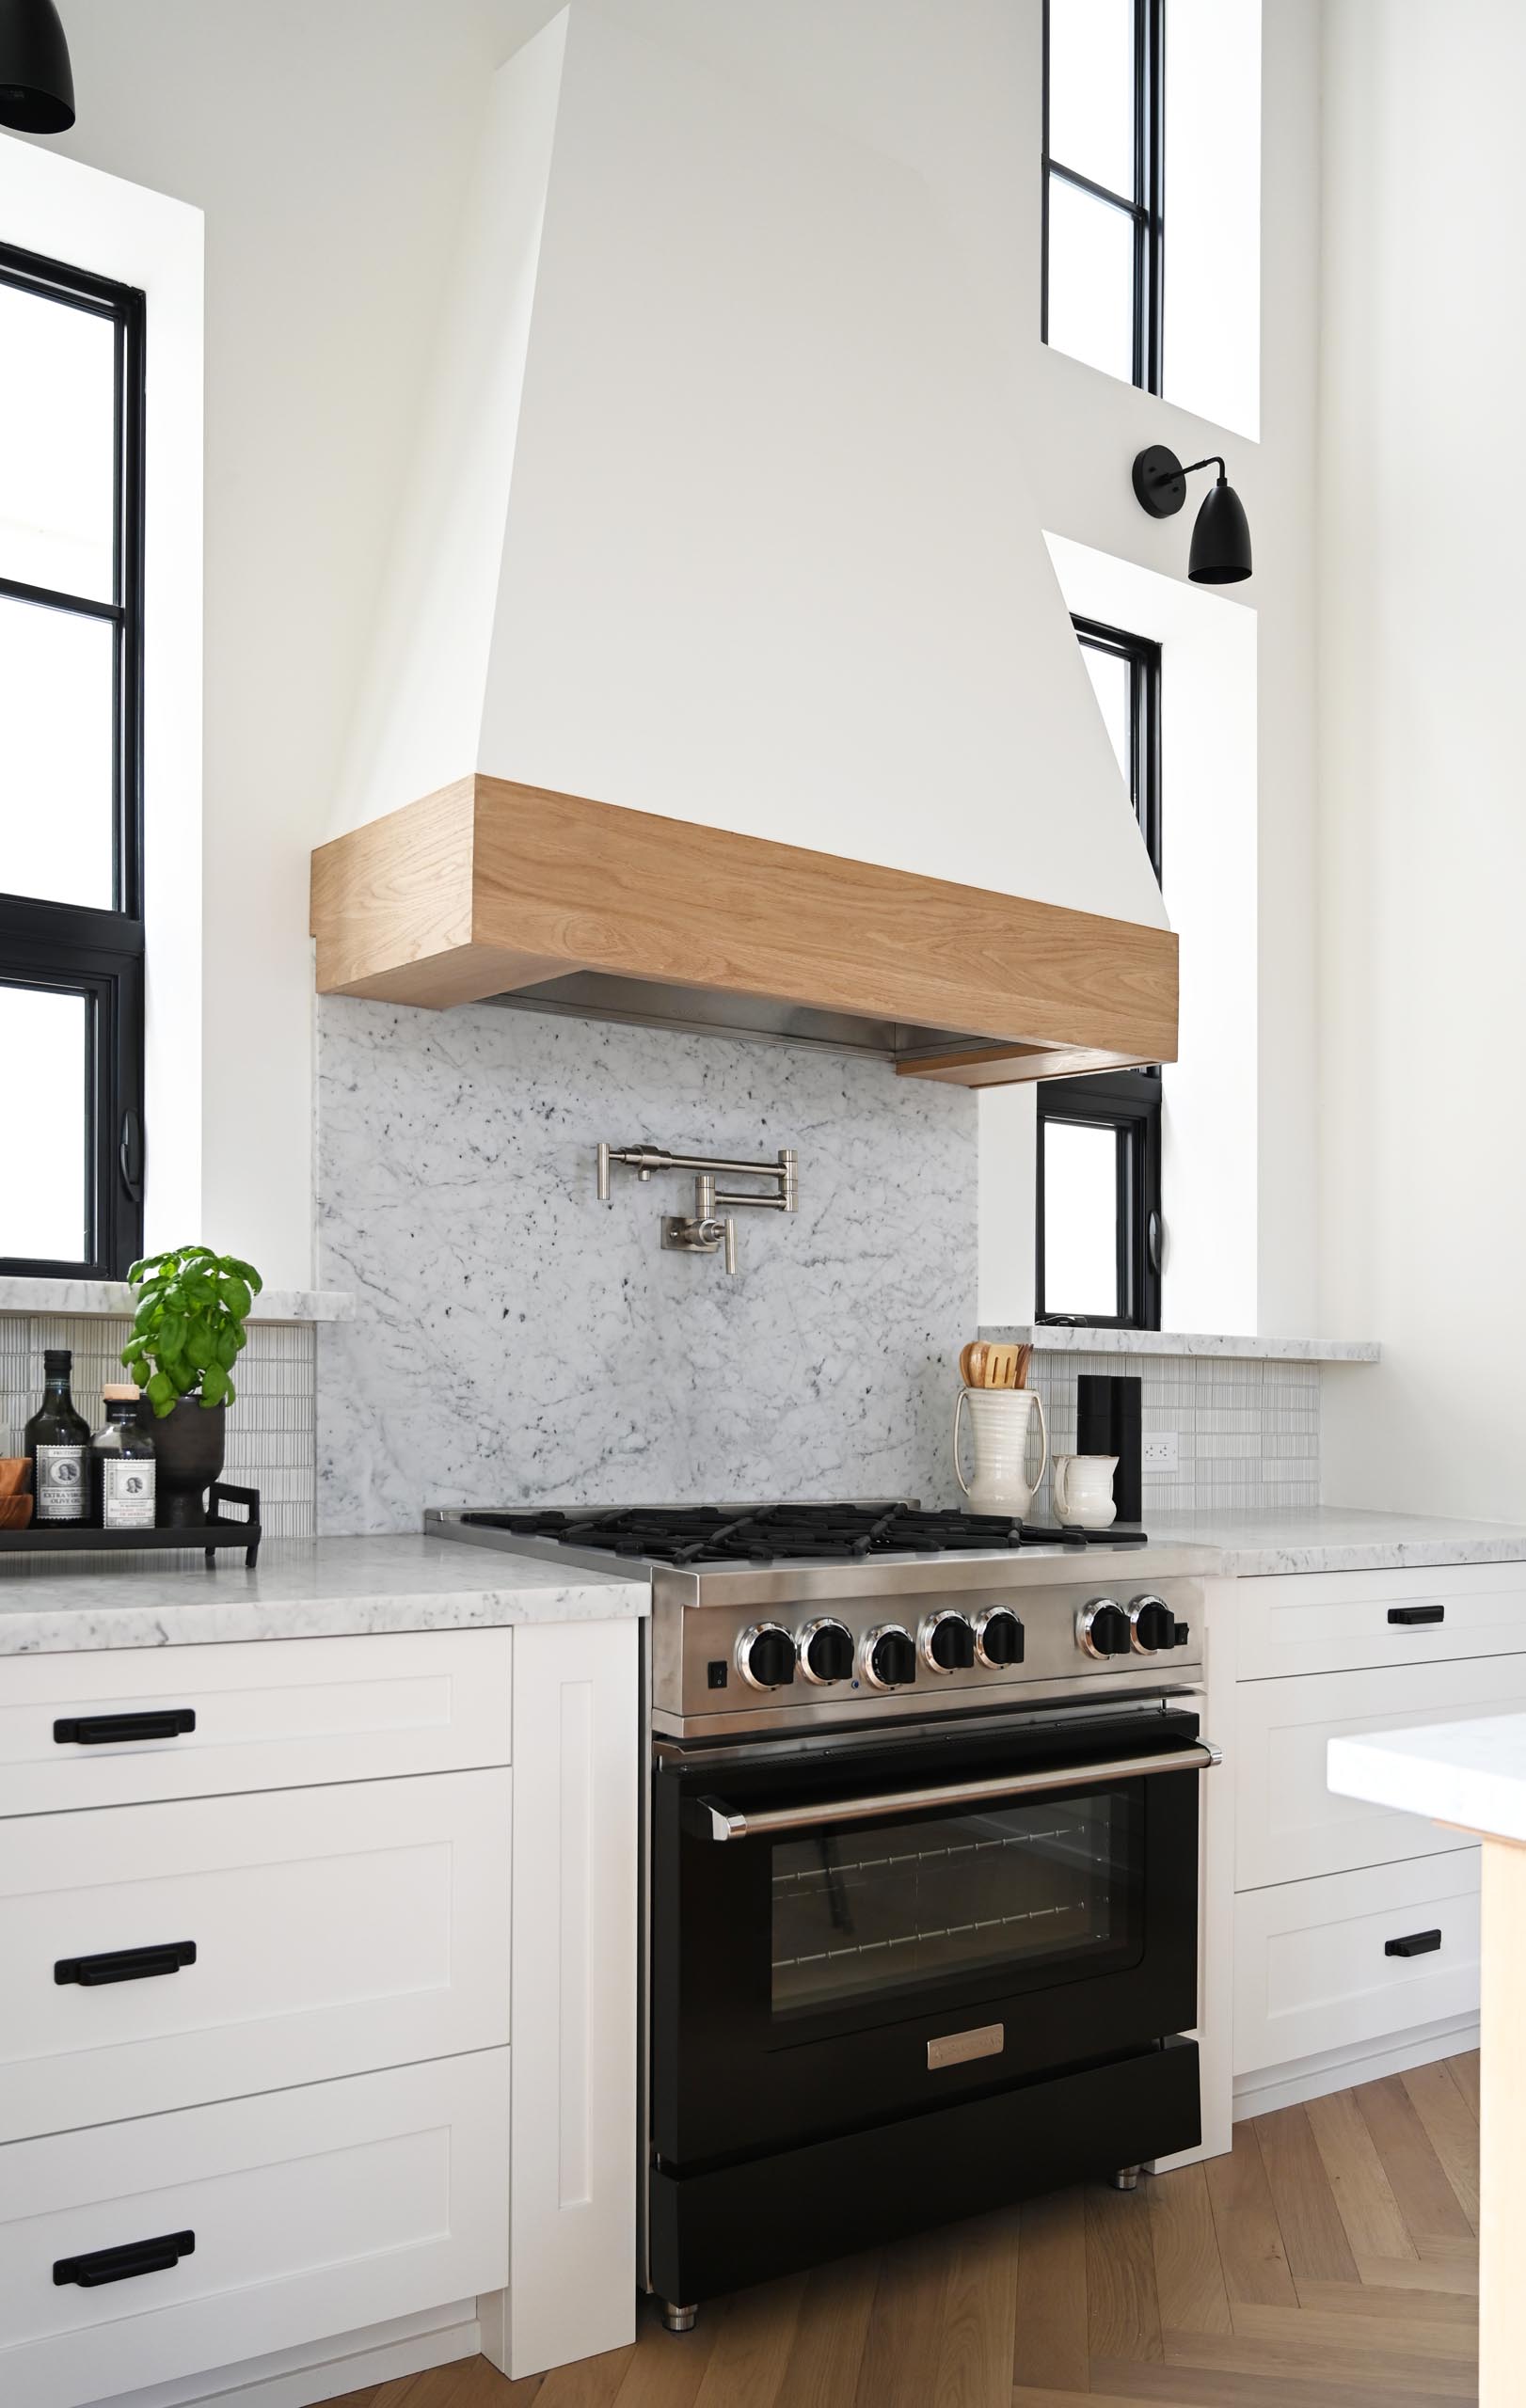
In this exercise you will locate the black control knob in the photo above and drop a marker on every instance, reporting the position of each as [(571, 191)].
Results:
[(766, 1657), (1103, 1629), (999, 1637), (889, 1657), (826, 1651), (949, 1643), (1154, 1626)]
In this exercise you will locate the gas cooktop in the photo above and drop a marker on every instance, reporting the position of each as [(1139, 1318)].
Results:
[(700, 1534)]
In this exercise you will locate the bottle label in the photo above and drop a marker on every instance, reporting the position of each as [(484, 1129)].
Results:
[(127, 1496), (62, 1492)]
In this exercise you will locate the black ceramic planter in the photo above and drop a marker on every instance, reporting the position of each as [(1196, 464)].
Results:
[(188, 1457)]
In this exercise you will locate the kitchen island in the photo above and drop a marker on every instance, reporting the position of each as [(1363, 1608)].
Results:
[(1471, 1776)]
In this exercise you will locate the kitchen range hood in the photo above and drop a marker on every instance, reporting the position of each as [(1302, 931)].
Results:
[(720, 677)]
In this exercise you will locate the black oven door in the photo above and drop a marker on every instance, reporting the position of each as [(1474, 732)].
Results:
[(851, 1932)]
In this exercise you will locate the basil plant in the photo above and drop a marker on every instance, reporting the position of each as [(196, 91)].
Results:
[(188, 1329)]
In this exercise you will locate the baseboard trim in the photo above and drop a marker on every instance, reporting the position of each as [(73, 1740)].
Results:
[(1272, 2086), (326, 2369)]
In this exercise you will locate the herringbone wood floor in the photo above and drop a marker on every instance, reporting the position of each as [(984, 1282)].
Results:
[(1331, 2262)]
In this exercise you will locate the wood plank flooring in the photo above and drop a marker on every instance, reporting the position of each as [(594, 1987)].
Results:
[(1330, 2262)]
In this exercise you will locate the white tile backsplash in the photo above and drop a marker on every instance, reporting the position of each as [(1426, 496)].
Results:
[(270, 1425), (1247, 1432)]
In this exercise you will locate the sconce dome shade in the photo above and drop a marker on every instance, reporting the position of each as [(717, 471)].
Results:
[(1220, 552), (37, 85)]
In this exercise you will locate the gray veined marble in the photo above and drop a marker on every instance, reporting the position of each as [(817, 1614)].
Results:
[(514, 1340)]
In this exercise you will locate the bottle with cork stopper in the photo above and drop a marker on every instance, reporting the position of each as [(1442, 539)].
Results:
[(122, 1464)]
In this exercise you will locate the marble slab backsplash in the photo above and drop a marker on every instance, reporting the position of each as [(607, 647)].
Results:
[(270, 1427), (516, 1342), (1246, 1433)]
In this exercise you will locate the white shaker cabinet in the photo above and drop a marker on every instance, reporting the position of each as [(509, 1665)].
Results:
[(318, 1976)]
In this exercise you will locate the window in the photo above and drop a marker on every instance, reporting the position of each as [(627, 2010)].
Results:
[(1100, 1233), (70, 768), (1103, 180)]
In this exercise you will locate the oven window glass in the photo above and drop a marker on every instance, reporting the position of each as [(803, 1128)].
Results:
[(861, 1912)]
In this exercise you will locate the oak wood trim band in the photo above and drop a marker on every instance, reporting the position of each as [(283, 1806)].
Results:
[(487, 886)]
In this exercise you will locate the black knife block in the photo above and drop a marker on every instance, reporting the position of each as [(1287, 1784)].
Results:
[(1108, 1422)]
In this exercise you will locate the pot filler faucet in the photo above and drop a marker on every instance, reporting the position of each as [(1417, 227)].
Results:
[(701, 1231)]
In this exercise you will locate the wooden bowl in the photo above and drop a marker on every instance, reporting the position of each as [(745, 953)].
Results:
[(15, 1475), (15, 1512)]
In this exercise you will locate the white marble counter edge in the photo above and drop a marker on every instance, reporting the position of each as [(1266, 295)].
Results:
[(1252, 1561), (1047, 1338), (34, 1627), (1443, 1771), (112, 1299)]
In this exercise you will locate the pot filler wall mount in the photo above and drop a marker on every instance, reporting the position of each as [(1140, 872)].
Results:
[(711, 1227)]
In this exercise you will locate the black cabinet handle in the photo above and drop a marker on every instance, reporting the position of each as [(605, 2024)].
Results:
[(125, 1965), (1410, 1615), (99, 2266), (1417, 1943), (113, 1730)]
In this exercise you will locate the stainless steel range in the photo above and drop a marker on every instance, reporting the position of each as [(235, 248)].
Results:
[(923, 1868)]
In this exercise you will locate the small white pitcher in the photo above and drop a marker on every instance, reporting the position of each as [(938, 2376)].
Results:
[(1083, 1491), (1002, 1420)]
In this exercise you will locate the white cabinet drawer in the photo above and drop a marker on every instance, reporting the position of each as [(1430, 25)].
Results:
[(267, 1715), (1311, 1967), (1288, 1824), (1337, 1622), (313, 2212), (334, 1930)]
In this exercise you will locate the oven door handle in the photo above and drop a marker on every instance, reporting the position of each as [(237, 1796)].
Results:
[(715, 1820)]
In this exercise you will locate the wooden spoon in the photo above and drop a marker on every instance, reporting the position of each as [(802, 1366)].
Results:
[(972, 1364)]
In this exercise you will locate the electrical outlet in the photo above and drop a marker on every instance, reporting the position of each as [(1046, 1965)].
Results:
[(1159, 1451)]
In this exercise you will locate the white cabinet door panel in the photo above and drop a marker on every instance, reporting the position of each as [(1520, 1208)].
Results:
[(268, 1715), (1289, 1826), (313, 2212), (335, 1930), (1311, 1966)]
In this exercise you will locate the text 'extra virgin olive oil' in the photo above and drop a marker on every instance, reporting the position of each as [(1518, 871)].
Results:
[(58, 1446)]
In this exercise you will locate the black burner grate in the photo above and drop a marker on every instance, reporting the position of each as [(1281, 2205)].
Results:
[(700, 1534)]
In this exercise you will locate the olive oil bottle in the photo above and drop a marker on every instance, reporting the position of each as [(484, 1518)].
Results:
[(58, 1446)]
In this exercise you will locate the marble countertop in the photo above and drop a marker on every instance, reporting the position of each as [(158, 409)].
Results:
[(301, 1589), (1472, 1774), (1059, 1338), (1337, 1538)]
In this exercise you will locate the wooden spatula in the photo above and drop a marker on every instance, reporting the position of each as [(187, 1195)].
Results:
[(1000, 1368)]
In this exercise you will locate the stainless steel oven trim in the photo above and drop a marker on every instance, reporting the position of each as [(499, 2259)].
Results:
[(725, 1824)]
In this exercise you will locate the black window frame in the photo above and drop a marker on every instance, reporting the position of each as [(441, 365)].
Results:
[(76, 949), (1126, 1101), (1145, 207)]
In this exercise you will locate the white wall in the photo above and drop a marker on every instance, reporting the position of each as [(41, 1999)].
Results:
[(1209, 1160), (329, 142), (1424, 851)]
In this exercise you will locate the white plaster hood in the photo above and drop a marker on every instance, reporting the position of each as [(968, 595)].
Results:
[(720, 509)]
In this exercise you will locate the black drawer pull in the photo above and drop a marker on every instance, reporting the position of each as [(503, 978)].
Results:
[(1410, 1615), (99, 2266), (125, 1964), (1418, 1943), (112, 1730)]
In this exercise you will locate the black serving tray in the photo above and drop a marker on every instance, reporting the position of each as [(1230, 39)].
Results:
[(220, 1530)]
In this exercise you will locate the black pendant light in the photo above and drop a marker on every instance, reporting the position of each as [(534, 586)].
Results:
[(1221, 553), (36, 88)]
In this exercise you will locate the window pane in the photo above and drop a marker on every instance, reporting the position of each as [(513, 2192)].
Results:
[(58, 445), (1092, 90), (43, 1196), (1109, 676), (56, 754), (1080, 1220), (1090, 279)]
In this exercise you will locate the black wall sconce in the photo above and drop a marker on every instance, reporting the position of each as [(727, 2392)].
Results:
[(37, 86), (1221, 553)]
